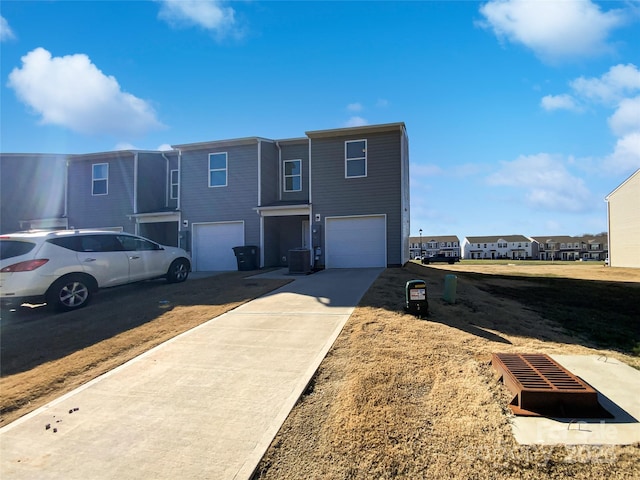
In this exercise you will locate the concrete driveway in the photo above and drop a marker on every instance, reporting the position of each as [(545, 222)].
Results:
[(205, 404)]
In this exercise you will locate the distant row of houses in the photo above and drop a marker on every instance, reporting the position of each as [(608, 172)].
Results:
[(512, 247), (620, 245)]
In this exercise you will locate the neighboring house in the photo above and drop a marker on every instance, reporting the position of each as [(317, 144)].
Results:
[(133, 191), (564, 247), (623, 212), (33, 191), (514, 247), (343, 194), (446, 245)]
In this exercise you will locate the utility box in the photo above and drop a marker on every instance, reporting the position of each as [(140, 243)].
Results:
[(450, 285), (300, 261), (247, 257), (416, 298)]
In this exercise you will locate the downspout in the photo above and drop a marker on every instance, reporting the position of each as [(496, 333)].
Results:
[(167, 184), (313, 247), (279, 170), (259, 172), (66, 192), (135, 189), (261, 227), (179, 179)]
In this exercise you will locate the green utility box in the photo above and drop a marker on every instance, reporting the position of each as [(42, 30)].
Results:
[(416, 298), (450, 285)]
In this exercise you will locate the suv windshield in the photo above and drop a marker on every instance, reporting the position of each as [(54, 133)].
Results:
[(14, 248)]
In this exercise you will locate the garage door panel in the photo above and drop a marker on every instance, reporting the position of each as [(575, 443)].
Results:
[(213, 245), (356, 242)]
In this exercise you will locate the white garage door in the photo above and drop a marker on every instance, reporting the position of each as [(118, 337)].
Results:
[(356, 242), (213, 245)]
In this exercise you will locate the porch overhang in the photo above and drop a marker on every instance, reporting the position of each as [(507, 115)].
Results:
[(284, 210), (156, 217)]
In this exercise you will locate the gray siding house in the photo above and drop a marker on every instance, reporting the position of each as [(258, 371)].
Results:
[(340, 196), (33, 190), (129, 191)]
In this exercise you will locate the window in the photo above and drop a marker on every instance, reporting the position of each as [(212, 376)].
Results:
[(14, 248), (137, 244), (355, 158), (100, 179), (174, 184), (292, 175), (218, 169)]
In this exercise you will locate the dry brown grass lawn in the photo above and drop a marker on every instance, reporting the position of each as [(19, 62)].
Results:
[(396, 397), (399, 397)]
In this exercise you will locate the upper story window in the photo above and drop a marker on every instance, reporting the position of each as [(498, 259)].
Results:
[(355, 158), (292, 175), (174, 185), (218, 169), (100, 179)]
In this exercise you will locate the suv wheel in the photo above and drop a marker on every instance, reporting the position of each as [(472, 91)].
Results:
[(69, 293), (178, 271)]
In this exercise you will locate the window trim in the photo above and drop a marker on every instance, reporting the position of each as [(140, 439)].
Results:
[(173, 183), (347, 159), (225, 169), (285, 176), (94, 180)]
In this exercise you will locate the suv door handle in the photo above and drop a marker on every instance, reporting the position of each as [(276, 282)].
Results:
[(89, 259), (135, 257)]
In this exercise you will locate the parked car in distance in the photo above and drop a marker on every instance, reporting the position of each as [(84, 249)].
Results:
[(65, 268), (440, 259)]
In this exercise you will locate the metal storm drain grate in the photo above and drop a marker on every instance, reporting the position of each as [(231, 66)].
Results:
[(542, 387)]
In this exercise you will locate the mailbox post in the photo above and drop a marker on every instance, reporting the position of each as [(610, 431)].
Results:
[(416, 298)]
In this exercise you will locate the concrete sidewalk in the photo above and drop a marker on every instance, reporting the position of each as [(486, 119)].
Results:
[(205, 404)]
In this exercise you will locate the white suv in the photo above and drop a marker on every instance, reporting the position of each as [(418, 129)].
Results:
[(66, 267)]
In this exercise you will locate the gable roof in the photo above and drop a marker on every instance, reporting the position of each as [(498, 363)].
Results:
[(363, 130), (637, 172), (496, 238)]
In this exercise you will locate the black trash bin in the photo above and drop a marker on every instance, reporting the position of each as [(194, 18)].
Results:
[(247, 257)]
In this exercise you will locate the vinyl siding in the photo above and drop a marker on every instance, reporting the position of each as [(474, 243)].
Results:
[(269, 172), (91, 211), (32, 188), (624, 224), (380, 192), (152, 183), (236, 201), (299, 151)]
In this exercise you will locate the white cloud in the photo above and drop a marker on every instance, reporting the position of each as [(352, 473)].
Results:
[(545, 183), (559, 102), (355, 107), (211, 15), (626, 155), (382, 103), (6, 33), (72, 92), (425, 170), (356, 122), (620, 81), (125, 146), (626, 119), (164, 147), (619, 90), (554, 30)]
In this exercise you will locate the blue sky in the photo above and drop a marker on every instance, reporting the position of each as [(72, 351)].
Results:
[(522, 115)]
